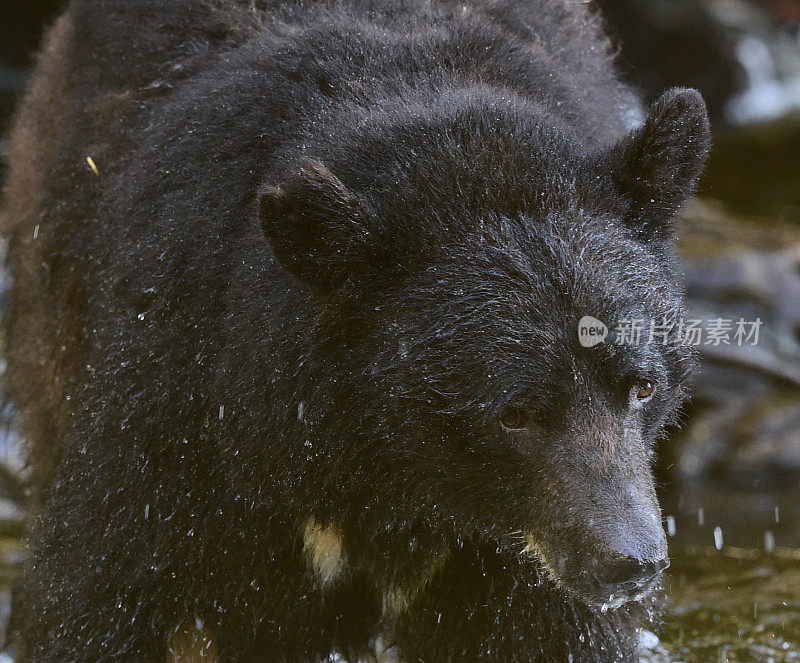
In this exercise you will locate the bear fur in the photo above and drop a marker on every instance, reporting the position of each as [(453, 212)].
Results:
[(294, 330)]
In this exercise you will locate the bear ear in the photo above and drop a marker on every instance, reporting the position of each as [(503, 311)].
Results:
[(318, 230), (656, 167)]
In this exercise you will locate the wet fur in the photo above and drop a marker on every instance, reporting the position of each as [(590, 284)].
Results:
[(150, 299)]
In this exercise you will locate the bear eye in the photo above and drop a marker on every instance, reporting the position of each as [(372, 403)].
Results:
[(644, 390), (513, 418)]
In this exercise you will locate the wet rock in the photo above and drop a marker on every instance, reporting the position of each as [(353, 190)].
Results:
[(703, 441), (766, 440), (745, 442), (744, 419)]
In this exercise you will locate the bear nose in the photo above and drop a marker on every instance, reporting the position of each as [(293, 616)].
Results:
[(633, 573)]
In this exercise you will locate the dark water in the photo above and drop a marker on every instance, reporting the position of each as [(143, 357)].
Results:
[(734, 586)]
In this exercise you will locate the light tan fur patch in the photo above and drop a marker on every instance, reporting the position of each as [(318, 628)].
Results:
[(530, 545), (397, 599), (192, 643), (323, 548), (534, 552)]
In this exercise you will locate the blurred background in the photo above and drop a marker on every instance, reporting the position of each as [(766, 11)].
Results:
[(730, 474)]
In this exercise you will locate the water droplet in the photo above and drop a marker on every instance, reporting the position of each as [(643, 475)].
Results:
[(648, 639), (701, 517), (718, 538), (769, 541), (671, 525)]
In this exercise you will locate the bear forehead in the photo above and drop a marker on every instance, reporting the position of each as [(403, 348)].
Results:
[(540, 274), (508, 319)]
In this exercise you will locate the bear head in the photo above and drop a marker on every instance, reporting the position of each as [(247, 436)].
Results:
[(451, 247)]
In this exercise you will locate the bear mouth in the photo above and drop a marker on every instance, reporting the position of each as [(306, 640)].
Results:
[(606, 598), (586, 585), (587, 588)]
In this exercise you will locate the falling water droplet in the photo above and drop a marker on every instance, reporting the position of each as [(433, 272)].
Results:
[(671, 525), (701, 517), (769, 541), (718, 538)]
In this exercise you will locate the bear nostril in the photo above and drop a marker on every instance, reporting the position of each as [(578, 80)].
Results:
[(633, 572)]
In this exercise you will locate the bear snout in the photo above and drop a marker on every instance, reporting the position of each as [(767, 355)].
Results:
[(629, 577), (613, 552), (629, 565)]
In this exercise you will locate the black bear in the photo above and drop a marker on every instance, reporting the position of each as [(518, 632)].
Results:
[(294, 332)]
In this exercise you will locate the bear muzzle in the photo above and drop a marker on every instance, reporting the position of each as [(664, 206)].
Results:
[(628, 566), (626, 579)]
